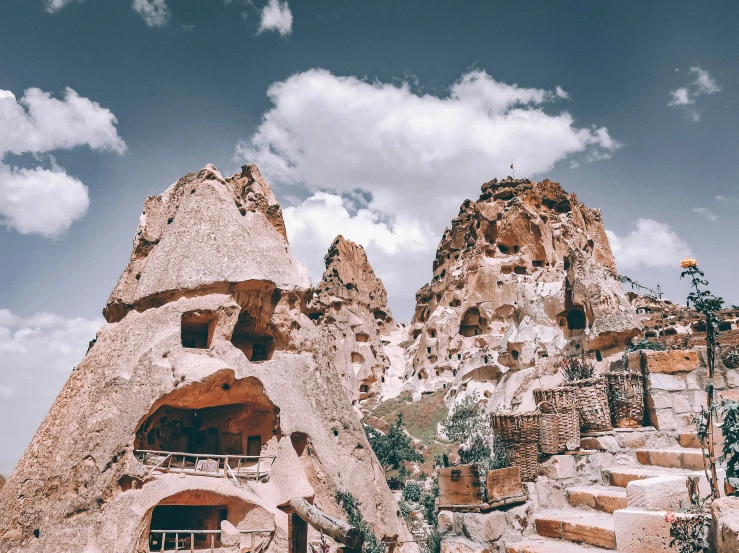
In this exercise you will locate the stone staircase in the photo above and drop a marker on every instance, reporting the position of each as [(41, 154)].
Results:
[(625, 510)]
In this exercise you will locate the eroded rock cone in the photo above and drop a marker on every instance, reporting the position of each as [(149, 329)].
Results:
[(524, 273), (351, 302), (209, 356)]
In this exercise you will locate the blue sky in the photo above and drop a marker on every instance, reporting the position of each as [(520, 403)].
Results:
[(373, 119)]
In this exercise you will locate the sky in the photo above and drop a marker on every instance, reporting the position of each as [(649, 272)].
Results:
[(373, 119)]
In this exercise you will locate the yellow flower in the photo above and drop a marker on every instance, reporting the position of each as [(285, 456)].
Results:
[(689, 262)]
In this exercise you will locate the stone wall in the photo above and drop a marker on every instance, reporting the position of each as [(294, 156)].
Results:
[(676, 381)]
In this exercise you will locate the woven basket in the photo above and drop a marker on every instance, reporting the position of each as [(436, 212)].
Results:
[(591, 395), (562, 401), (549, 435), (626, 398), (519, 433)]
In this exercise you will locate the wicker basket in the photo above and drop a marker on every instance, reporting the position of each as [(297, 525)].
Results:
[(626, 398), (562, 402), (591, 395), (519, 433), (549, 434)]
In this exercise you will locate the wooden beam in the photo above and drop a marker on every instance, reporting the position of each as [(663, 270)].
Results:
[(339, 530)]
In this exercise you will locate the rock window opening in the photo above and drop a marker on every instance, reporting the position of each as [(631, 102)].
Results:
[(455, 303), (193, 429), (514, 354), (506, 270), (432, 333), (416, 333), (566, 264), (472, 323), (576, 320), (428, 350), (252, 339), (363, 389), (515, 249), (598, 355), (537, 263), (502, 248), (357, 358), (520, 270), (362, 337), (204, 520), (197, 328)]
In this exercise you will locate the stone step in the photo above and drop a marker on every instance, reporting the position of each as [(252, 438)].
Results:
[(578, 526), (538, 544), (600, 498), (678, 458), (621, 476)]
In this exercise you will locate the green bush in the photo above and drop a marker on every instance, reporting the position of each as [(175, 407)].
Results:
[(412, 492), (405, 510), (393, 449), (644, 343), (433, 542), (354, 518)]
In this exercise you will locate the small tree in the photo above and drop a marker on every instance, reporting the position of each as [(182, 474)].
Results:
[(708, 305), (393, 449)]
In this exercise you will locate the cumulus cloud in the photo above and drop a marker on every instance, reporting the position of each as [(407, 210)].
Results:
[(37, 353), (39, 200), (705, 213), (650, 244), (417, 155), (685, 96), (42, 342), (276, 16), (53, 6), (155, 12)]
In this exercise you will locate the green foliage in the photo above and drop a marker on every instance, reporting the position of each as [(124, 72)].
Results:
[(645, 344), (354, 517), (441, 460), (467, 420), (393, 449), (731, 359), (412, 491), (428, 502), (703, 300), (577, 368), (433, 542), (730, 430), (690, 533), (405, 510)]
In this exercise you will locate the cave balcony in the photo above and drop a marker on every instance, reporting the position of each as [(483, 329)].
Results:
[(235, 468)]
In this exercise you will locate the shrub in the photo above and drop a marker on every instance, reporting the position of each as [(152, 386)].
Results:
[(577, 368), (433, 542), (412, 492), (354, 517), (393, 449), (730, 430), (690, 533), (644, 343), (731, 359), (405, 510), (428, 502)]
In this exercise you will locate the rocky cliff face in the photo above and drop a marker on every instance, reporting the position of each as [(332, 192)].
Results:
[(209, 349), (351, 304), (523, 274)]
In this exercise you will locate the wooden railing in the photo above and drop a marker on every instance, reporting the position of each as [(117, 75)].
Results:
[(233, 467), (158, 538)]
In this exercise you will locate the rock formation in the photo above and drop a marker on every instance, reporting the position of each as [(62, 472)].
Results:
[(209, 350), (351, 304), (524, 273)]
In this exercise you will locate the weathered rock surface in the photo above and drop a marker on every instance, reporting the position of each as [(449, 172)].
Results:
[(523, 274), (350, 304), (208, 342)]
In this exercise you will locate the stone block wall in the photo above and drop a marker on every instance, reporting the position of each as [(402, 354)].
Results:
[(675, 382)]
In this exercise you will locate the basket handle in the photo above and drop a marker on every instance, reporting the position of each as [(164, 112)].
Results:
[(548, 403)]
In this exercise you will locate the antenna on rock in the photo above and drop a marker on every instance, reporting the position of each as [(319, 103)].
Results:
[(514, 171)]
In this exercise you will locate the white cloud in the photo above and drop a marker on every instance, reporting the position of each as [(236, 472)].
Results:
[(53, 6), (155, 12), (705, 213), (40, 201), (47, 201), (685, 96), (651, 244), (417, 156), (42, 342), (276, 16), (40, 123)]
